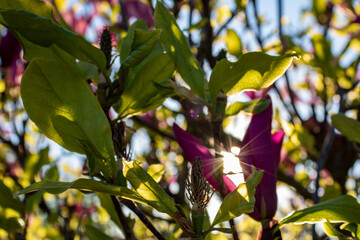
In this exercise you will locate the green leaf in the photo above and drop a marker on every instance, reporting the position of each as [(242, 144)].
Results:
[(332, 232), (34, 163), (93, 233), (218, 236), (10, 225), (233, 43), (348, 127), (322, 49), (178, 48), (125, 48), (44, 32), (89, 71), (35, 6), (142, 45), (353, 228), (254, 107), (7, 200), (253, 71), (340, 209), (156, 171), (143, 93), (61, 104), (52, 173), (239, 201), (82, 184), (198, 25), (33, 201), (148, 189), (108, 205)]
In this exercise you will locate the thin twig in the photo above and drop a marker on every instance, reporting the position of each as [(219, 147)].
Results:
[(291, 94), (233, 14)]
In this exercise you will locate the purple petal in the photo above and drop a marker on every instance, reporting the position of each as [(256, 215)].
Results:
[(9, 49), (262, 150), (277, 139), (193, 148)]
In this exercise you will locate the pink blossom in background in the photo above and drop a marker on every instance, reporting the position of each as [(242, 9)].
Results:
[(139, 10)]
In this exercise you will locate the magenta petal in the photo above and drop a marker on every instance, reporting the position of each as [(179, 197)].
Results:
[(193, 148), (277, 139), (262, 150), (9, 49)]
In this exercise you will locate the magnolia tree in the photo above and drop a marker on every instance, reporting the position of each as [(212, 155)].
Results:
[(183, 97)]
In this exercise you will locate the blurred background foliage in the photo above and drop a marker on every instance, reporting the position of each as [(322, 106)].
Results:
[(323, 81)]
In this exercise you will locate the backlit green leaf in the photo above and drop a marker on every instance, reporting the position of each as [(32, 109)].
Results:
[(178, 48), (254, 107), (233, 43), (332, 232), (253, 71), (125, 49), (147, 188), (89, 185), (239, 201), (348, 127), (66, 111), (340, 209), (156, 171), (35, 6), (142, 45), (143, 93)]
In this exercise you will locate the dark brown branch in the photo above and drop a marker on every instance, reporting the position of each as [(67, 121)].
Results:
[(207, 39), (300, 189), (124, 221), (153, 128), (142, 218)]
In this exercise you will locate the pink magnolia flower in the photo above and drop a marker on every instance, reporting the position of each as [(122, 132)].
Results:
[(262, 149), (193, 148)]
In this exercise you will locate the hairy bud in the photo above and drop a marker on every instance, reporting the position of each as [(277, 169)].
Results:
[(105, 45), (199, 189)]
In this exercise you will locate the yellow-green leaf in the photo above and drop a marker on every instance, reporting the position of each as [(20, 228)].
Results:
[(148, 189)]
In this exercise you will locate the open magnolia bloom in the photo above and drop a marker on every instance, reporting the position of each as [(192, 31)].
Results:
[(259, 148)]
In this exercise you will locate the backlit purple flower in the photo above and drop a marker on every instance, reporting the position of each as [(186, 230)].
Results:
[(192, 148), (261, 149)]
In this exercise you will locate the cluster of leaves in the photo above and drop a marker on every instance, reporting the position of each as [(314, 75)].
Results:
[(70, 90)]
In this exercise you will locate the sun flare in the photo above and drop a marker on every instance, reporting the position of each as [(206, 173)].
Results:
[(232, 166)]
